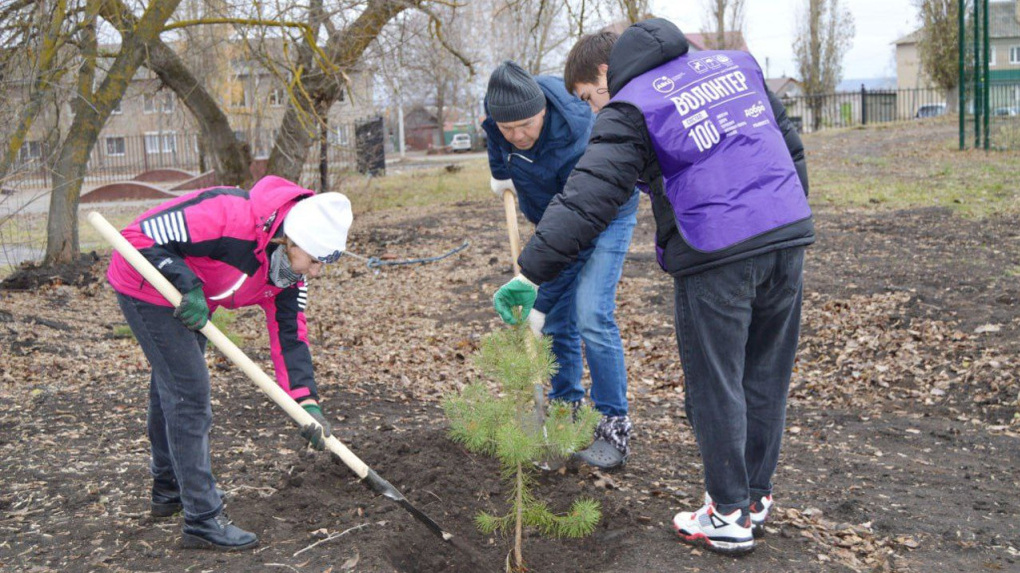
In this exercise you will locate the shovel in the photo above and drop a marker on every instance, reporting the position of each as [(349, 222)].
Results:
[(268, 386)]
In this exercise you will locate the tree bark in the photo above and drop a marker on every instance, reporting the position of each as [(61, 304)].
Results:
[(298, 130), (47, 77), (62, 227), (230, 158)]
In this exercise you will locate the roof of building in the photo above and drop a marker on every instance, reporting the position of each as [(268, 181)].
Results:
[(911, 38), (777, 85)]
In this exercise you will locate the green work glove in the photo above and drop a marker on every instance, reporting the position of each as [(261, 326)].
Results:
[(518, 292), (193, 311), (316, 434)]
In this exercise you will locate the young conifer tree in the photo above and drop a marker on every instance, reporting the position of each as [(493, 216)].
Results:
[(505, 425)]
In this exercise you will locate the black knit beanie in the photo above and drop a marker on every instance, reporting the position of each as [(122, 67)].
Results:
[(513, 94)]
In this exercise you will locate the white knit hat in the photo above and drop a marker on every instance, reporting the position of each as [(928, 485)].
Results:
[(319, 225)]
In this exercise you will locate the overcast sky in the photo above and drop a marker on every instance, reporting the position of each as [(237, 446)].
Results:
[(770, 26)]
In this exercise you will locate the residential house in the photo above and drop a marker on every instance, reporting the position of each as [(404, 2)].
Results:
[(421, 128), (151, 129), (1003, 58), (785, 87)]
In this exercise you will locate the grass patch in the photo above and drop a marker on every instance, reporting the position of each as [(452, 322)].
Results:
[(223, 319), (419, 187), (910, 165)]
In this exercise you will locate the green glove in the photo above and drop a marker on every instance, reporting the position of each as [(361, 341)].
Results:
[(193, 311), (316, 434), (518, 292)]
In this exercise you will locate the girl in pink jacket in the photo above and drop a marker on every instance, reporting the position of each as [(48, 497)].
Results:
[(231, 248)]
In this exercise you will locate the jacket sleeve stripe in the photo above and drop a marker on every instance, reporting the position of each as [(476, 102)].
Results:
[(181, 226), (167, 227)]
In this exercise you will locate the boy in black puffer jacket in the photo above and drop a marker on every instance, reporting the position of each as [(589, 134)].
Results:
[(728, 183)]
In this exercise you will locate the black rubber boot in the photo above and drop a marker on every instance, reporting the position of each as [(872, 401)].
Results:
[(217, 533), (167, 502)]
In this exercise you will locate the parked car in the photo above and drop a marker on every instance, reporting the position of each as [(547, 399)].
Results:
[(930, 110), (1006, 111), (460, 142)]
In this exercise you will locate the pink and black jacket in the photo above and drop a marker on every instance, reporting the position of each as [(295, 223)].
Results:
[(216, 239)]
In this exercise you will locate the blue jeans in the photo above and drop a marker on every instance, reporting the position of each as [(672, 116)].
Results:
[(737, 327), (580, 303), (180, 413)]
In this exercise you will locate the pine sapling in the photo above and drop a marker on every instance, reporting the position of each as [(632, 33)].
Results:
[(504, 425)]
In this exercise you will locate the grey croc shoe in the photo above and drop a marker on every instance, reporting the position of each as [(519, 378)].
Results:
[(611, 447), (601, 454)]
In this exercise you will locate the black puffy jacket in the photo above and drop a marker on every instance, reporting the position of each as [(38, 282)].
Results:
[(619, 154)]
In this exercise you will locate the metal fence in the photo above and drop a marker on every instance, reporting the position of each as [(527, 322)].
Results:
[(989, 71), (863, 107), (121, 158)]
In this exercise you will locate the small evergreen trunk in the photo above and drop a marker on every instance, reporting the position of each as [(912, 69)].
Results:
[(504, 425)]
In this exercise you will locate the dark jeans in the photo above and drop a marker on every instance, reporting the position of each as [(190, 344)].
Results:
[(737, 327), (180, 413)]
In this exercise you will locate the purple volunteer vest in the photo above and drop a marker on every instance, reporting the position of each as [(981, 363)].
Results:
[(726, 169)]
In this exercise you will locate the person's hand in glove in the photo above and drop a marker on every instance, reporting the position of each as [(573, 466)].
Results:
[(193, 311), (501, 185), (518, 292), (315, 435)]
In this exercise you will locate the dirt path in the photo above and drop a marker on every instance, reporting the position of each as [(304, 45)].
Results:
[(900, 453)]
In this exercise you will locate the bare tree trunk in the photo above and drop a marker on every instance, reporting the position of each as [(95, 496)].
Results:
[(92, 113), (47, 77), (230, 158), (297, 133)]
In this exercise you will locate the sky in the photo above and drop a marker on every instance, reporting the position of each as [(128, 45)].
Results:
[(770, 30)]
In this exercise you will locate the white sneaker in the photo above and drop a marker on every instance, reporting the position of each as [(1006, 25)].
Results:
[(730, 534), (759, 513)]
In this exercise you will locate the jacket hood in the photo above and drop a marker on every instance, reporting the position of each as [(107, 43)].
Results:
[(575, 112), (641, 47), (270, 195)]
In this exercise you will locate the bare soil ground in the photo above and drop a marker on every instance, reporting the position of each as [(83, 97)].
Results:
[(900, 453)]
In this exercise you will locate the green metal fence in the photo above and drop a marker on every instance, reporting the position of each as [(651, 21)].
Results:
[(989, 67)]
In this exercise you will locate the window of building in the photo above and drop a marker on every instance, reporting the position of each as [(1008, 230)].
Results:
[(165, 142), (991, 56), (169, 142), (115, 146), (239, 95), (1014, 55), (30, 150), (164, 101), (277, 97)]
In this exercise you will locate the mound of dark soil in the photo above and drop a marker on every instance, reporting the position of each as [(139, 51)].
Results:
[(79, 273)]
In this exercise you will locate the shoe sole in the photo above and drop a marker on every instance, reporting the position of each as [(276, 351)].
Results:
[(194, 542), (733, 549)]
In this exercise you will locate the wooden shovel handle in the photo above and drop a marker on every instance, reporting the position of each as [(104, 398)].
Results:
[(509, 205)]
